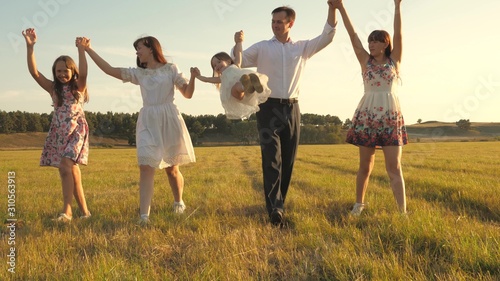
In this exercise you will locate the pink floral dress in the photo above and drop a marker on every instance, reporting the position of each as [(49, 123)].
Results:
[(68, 134), (378, 120)]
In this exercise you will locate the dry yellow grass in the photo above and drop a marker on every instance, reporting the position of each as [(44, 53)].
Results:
[(451, 233)]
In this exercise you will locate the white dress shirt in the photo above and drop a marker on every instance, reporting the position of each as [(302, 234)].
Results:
[(283, 63)]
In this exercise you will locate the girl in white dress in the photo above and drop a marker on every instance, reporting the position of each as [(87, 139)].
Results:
[(162, 138), (241, 90)]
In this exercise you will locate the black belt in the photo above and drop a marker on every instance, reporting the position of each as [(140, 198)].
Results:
[(283, 101)]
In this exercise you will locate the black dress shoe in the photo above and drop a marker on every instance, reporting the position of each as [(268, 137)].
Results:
[(276, 217)]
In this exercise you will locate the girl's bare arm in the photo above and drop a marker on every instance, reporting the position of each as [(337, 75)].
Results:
[(30, 38)]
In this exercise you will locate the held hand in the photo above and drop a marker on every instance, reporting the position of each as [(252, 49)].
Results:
[(239, 36), (335, 4), (30, 36), (195, 72), (78, 43), (82, 43)]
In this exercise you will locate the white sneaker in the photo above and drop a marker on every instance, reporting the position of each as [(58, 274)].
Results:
[(144, 220), (357, 209), (179, 207), (86, 216), (63, 218)]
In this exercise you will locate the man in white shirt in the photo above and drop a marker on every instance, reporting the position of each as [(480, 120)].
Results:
[(278, 120)]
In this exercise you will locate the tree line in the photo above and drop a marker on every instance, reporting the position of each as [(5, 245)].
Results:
[(315, 129)]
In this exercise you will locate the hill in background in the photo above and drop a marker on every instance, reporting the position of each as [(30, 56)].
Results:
[(442, 131), (37, 140), (423, 132)]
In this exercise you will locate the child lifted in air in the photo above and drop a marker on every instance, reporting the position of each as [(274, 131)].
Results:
[(241, 90)]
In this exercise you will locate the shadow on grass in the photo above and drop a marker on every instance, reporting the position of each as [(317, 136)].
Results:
[(453, 199), (450, 170), (96, 223), (258, 213)]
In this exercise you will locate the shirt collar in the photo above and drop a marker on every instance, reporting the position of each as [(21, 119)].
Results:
[(276, 40)]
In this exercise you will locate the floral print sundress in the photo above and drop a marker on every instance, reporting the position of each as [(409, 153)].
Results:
[(378, 120), (68, 134)]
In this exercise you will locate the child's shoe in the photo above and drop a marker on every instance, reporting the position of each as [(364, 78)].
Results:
[(86, 216), (245, 80), (254, 79), (179, 207), (63, 218), (357, 209)]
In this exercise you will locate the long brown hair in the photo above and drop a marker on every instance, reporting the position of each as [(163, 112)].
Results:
[(154, 45), (58, 86), (384, 37), (223, 56)]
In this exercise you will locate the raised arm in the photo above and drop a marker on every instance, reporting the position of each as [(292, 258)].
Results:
[(332, 15), (238, 50), (397, 50), (239, 36), (30, 38), (100, 62), (361, 54), (82, 64)]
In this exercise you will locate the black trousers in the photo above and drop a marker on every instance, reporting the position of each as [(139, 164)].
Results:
[(279, 132)]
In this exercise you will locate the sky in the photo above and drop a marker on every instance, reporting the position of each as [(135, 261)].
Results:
[(450, 68)]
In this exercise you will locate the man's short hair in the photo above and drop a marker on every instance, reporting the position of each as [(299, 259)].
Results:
[(290, 13)]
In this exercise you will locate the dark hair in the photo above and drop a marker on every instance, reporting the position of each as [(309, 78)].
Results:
[(223, 56), (58, 86), (154, 45), (290, 13), (381, 36)]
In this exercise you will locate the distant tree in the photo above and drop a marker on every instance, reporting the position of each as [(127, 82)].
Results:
[(320, 134), (347, 124), (315, 119), (245, 131), (117, 120), (463, 124), (20, 120), (222, 125), (45, 120), (419, 121), (129, 124), (333, 120), (207, 121), (312, 119), (196, 128), (309, 133), (6, 123), (34, 122), (104, 125), (91, 118), (188, 120)]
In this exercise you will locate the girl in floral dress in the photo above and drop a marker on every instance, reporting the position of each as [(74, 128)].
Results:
[(162, 138), (378, 121), (67, 143)]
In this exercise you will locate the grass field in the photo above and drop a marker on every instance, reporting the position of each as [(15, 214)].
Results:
[(452, 231)]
